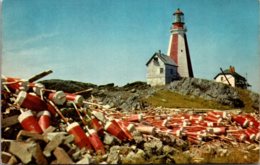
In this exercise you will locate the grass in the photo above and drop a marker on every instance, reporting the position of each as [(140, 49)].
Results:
[(171, 99), (244, 96), (236, 155)]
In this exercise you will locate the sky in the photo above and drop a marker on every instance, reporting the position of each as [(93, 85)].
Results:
[(110, 41)]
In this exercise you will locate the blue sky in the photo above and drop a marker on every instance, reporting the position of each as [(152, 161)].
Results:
[(104, 41)]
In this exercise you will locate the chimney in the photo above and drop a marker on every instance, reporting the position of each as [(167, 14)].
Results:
[(232, 69), (160, 52)]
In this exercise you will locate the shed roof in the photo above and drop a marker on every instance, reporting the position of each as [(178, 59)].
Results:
[(234, 74), (165, 59)]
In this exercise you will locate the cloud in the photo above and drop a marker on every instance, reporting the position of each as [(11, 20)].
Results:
[(22, 43), (25, 62)]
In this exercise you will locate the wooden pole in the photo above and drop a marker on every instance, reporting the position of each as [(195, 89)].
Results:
[(39, 76), (80, 116), (225, 76), (59, 112), (83, 91)]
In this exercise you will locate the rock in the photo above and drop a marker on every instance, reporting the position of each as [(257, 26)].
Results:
[(50, 136), (113, 156), (9, 121), (85, 160), (49, 130), (134, 158), (54, 143), (137, 136), (69, 139), (32, 135), (255, 99), (167, 149), (62, 157), (153, 147), (7, 158), (133, 90), (108, 139), (99, 116), (37, 154), (21, 150), (181, 157), (181, 143), (208, 90), (76, 155)]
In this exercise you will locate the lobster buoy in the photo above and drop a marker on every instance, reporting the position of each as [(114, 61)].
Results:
[(96, 142), (44, 119), (81, 140), (29, 122), (30, 101), (58, 97)]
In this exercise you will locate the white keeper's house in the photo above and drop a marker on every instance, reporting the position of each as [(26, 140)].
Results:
[(230, 76)]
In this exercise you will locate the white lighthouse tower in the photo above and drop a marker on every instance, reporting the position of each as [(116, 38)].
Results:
[(178, 49)]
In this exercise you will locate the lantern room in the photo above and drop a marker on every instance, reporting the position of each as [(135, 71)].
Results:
[(178, 19)]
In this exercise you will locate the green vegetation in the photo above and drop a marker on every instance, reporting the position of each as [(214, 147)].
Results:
[(166, 98), (245, 97)]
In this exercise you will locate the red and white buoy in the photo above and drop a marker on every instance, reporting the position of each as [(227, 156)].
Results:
[(51, 109), (97, 126), (241, 120), (112, 128), (96, 142), (252, 121), (29, 122), (57, 97), (134, 118), (222, 114), (15, 84), (146, 129), (213, 119), (250, 134), (217, 130), (38, 88), (196, 117), (194, 139), (81, 140), (124, 128), (44, 119), (77, 99), (30, 101)]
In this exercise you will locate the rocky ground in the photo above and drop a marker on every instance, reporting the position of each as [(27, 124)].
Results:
[(158, 143), (134, 95)]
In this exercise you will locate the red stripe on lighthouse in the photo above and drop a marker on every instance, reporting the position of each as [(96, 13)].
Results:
[(174, 48)]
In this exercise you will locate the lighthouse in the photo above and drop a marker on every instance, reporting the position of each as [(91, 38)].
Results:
[(178, 49)]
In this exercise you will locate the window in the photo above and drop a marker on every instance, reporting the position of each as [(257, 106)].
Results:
[(161, 70), (155, 61), (221, 78)]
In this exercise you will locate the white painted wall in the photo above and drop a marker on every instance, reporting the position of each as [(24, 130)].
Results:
[(222, 79), (182, 54), (154, 77), (182, 57)]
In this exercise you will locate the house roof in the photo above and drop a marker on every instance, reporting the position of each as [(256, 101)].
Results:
[(165, 59), (234, 74)]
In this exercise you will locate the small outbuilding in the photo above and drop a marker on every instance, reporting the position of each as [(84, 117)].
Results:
[(161, 70), (230, 76)]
